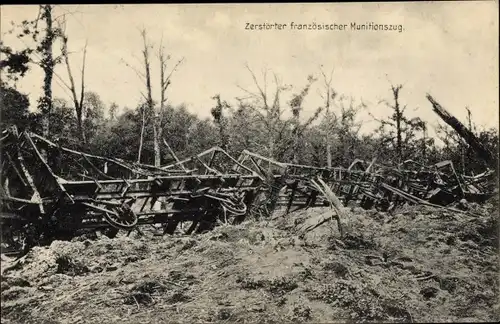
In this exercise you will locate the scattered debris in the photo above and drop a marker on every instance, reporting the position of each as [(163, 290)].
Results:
[(261, 271)]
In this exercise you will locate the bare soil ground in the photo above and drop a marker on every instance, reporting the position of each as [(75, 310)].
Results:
[(417, 265)]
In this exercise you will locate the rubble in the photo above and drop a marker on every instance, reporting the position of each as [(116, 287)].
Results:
[(416, 266)]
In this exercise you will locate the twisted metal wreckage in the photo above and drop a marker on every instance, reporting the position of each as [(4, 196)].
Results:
[(51, 192)]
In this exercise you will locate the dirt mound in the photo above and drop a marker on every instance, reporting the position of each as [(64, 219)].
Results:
[(418, 264)]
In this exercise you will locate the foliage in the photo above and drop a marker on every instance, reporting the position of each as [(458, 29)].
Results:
[(117, 133), (15, 64), (263, 120), (462, 156), (14, 108)]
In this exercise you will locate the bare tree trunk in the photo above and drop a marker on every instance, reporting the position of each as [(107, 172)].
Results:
[(77, 102), (467, 152), (328, 151), (271, 144), (398, 117), (47, 63), (148, 111), (424, 149), (469, 119), (328, 98), (163, 88), (296, 136), (149, 115), (156, 144), (296, 142), (141, 140), (164, 84)]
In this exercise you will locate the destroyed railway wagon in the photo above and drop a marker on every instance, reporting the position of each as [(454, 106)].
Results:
[(374, 185), (51, 192)]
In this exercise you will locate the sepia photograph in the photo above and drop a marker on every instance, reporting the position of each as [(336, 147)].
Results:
[(250, 163)]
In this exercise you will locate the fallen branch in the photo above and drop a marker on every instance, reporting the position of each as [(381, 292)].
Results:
[(335, 204)]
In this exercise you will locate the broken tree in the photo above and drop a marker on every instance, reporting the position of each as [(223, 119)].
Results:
[(464, 132)]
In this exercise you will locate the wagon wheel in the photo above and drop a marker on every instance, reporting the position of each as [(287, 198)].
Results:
[(122, 218), (15, 238), (232, 210)]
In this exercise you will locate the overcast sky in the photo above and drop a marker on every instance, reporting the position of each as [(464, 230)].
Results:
[(447, 49)]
